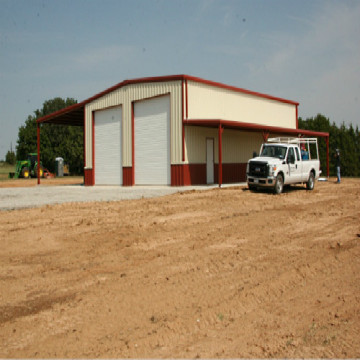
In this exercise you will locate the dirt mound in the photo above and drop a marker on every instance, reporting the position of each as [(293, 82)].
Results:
[(217, 273)]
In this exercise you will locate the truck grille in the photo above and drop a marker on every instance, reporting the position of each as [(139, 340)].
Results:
[(258, 169)]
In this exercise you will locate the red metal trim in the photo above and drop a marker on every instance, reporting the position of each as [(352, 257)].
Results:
[(84, 142), (220, 154), (127, 176), (265, 135), (188, 174), (88, 177), (133, 142), (38, 154), (93, 147)]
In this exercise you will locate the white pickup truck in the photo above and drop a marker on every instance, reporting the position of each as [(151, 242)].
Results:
[(284, 161)]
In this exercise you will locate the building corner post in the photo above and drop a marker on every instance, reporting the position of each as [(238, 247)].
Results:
[(220, 155), (38, 154)]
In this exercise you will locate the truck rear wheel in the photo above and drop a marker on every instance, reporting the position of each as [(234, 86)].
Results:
[(311, 182), (279, 184)]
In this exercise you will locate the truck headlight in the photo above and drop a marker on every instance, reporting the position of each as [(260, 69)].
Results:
[(272, 169)]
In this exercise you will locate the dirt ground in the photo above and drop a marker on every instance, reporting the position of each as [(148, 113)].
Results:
[(222, 273), (66, 180)]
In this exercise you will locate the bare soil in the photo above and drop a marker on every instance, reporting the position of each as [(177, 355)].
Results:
[(66, 180), (218, 273)]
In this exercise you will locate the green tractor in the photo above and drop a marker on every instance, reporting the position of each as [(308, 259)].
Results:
[(27, 168)]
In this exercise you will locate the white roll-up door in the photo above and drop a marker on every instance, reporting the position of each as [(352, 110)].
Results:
[(108, 158), (152, 141)]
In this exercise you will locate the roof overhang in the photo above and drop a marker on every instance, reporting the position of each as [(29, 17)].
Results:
[(72, 115), (252, 127)]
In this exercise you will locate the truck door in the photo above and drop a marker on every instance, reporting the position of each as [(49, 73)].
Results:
[(294, 163)]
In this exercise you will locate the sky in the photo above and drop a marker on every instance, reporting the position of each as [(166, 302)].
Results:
[(302, 50)]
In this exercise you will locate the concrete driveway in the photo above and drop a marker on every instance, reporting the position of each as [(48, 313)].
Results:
[(16, 198)]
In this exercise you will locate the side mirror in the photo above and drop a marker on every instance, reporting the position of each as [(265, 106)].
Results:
[(254, 154)]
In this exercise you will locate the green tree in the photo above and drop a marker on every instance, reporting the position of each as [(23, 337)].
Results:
[(55, 140), (344, 138), (10, 157)]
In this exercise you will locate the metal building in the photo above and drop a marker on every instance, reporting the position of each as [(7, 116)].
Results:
[(175, 130)]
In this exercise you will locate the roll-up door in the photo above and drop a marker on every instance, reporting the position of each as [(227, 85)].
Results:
[(152, 141), (108, 159)]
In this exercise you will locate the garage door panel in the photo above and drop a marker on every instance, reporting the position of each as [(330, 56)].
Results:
[(108, 157), (152, 142)]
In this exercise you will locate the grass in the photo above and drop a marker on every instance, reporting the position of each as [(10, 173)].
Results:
[(5, 168)]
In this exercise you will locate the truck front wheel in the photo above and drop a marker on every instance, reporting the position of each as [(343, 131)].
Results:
[(311, 182), (279, 185)]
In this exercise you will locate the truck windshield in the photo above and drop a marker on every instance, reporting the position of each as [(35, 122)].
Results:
[(274, 151)]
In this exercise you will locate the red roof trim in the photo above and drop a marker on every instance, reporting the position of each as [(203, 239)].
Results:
[(251, 127), (161, 79)]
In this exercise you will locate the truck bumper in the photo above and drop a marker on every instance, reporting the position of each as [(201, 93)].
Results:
[(263, 182)]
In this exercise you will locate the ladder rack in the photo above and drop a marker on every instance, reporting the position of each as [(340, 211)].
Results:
[(286, 140)]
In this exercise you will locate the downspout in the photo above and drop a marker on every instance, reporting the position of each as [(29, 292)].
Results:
[(38, 153), (220, 154)]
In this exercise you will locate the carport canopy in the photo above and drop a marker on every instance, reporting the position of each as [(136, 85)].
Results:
[(266, 131), (72, 115)]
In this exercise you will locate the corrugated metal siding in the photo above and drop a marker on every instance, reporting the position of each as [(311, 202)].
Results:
[(209, 102), (125, 96), (195, 144), (237, 146)]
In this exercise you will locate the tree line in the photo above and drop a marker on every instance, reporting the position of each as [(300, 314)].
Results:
[(344, 138), (68, 141), (55, 140)]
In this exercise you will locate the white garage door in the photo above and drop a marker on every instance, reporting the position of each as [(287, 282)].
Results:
[(152, 141), (108, 164)]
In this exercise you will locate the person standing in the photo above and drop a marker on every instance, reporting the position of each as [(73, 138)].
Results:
[(337, 159)]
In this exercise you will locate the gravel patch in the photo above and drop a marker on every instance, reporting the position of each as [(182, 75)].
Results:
[(17, 198)]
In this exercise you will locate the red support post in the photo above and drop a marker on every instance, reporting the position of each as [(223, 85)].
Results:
[(133, 142), (265, 135), (327, 157), (220, 155), (38, 154)]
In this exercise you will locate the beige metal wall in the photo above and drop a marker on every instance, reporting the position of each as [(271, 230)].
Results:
[(210, 102), (125, 96), (195, 144), (237, 146)]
